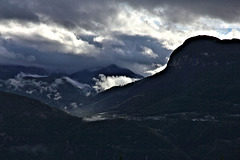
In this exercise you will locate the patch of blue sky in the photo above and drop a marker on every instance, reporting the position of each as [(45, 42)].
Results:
[(224, 31), (157, 23)]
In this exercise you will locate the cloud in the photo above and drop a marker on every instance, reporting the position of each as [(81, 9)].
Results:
[(76, 84), (74, 35), (15, 11), (149, 52), (158, 69), (4, 53), (230, 34), (187, 10), (15, 58), (56, 47), (45, 38), (104, 83), (90, 15)]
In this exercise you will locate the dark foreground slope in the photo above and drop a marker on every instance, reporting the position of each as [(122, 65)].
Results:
[(31, 130), (202, 76)]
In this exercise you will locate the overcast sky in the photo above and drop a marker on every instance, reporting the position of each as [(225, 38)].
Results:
[(72, 35)]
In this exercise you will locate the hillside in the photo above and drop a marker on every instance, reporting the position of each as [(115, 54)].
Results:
[(32, 130), (202, 76)]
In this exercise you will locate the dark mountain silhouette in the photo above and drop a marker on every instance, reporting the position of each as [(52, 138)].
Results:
[(202, 75), (30, 130)]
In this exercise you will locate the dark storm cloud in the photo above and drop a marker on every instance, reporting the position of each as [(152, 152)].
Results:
[(134, 44), (95, 14), (181, 10), (90, 14), (14, 11)]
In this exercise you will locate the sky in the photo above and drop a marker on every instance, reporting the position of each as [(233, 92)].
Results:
[(71, 35)]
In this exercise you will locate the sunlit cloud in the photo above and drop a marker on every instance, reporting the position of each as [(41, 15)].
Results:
[(48, 38), (106, 82)]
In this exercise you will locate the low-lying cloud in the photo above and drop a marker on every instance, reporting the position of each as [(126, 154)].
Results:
[(104, 83)]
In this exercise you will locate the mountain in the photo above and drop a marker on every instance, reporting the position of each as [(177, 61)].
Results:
[(55, 89), (202, 76), (194, 102), (86, 76), (61, 92)]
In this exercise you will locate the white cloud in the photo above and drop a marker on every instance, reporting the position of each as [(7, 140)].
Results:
[(104, 83), (158, 69), (94, 118), (16, 83), (85, 88), (149, 52), (45, 37), (233, 33)]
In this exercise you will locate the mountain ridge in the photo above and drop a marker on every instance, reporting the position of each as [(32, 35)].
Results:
[(179, 79), (56, 89)]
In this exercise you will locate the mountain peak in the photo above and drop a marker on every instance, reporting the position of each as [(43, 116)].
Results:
[(205, 51)]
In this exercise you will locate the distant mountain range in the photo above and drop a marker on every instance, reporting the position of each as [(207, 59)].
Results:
[(189, 111), (64, 91)]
